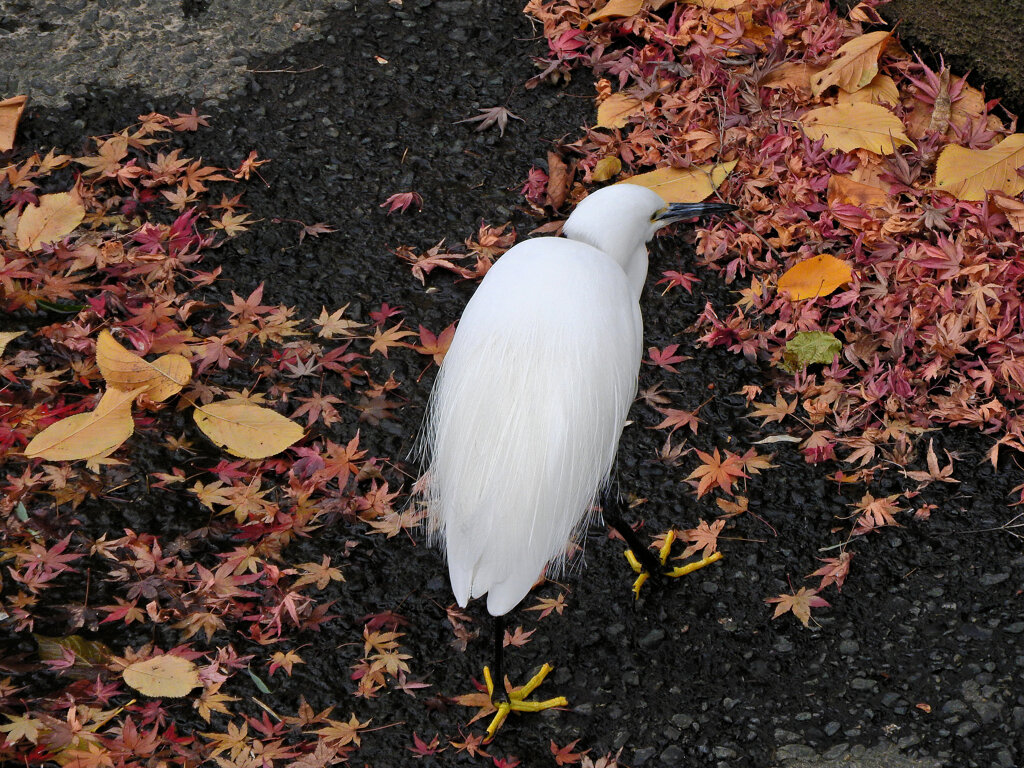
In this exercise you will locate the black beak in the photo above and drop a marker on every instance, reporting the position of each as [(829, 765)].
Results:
[(679, 211)]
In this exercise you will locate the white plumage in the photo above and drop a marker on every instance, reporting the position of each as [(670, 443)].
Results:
[(525, 416)]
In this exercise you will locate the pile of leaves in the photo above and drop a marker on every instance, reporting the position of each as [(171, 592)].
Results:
[(875, 260), (108, 345), (875, 255)]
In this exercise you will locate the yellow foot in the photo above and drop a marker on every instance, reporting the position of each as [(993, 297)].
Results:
[(675, 573), (516, 699)]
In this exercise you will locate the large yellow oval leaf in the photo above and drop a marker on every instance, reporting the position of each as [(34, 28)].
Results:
[(617, 9), (246, 430), (615, 111), (968, 174), (881, 90), (856, 126), (817, 276), (162, 676), (10, 114), (854, 66), (123, 369), (85, 435), (684, 185), (55, 216)]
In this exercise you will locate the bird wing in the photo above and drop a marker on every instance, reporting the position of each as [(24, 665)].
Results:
[(525, 416)]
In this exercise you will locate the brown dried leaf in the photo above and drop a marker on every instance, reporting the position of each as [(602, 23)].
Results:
[(558, 180), (844, 190), (1012, 208), (793, 74), (10, 114)]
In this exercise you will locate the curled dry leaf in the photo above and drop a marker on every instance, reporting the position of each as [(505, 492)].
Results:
[(856, 126), (56, 215), (85, 435), (123, 369), (615, 111), (968, 174), (162, 676), (842, 190), (684, 185), (246, 430), (617, 9), (817, 276), (713, 5), (10, 114), (881, 90), (6, 337), (792, 74), (559, 179), (1012, 208), (854, 66)]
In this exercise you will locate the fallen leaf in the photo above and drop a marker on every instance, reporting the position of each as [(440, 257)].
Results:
[(817, 276), (246, 430), (793, 74), (10, 114), (800, 604), (808, 348), (713, 5), (6, 337), (968, 174), (684, 185), (1012, 209), (854, 66), (87, 434), (606, 168), (123, 369), (56, 215), (856, 126), (559, 179), (615, 111), (162, 676), (617, 9), (844, 190), (881, 90)]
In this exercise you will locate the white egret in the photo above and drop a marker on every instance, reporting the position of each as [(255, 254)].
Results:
[(526, 413)]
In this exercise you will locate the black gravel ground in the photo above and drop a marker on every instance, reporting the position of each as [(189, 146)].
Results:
[(920, 660)]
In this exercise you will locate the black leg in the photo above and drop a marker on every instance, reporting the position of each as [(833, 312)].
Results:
[(500, 694), (642, 553)]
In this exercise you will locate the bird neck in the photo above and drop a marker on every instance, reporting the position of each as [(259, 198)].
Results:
[(635, 268)]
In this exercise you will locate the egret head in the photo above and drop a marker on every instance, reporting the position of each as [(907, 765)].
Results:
[(621, 219)]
